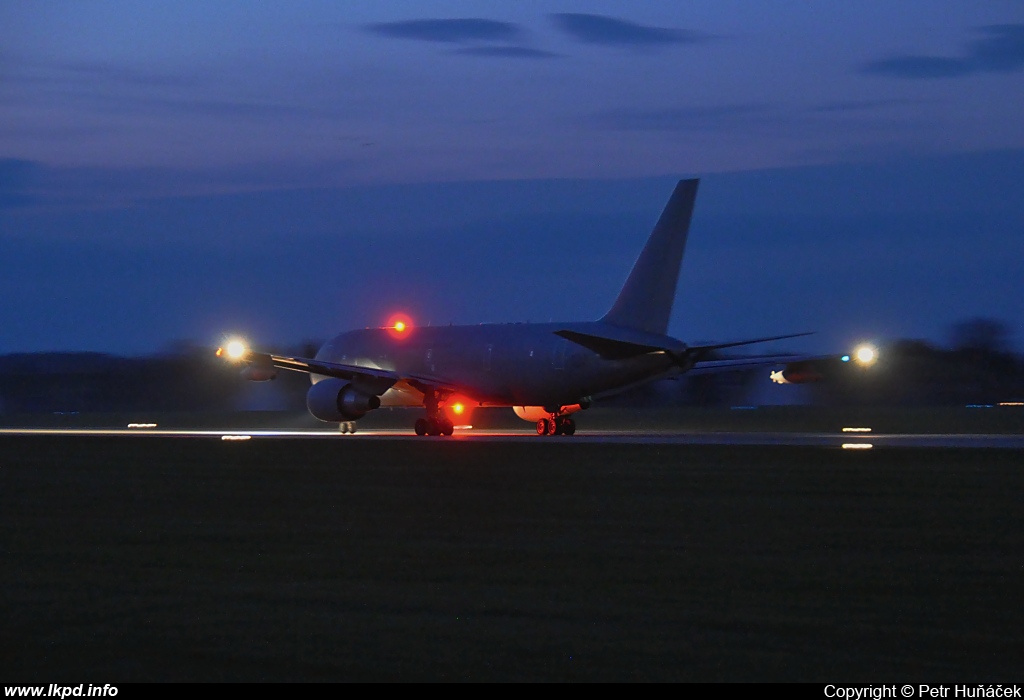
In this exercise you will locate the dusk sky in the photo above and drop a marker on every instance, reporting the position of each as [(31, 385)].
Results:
[(173, 171)]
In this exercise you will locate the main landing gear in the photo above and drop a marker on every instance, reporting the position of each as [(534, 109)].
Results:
[(436, 423), (434, 426), (556, 425)]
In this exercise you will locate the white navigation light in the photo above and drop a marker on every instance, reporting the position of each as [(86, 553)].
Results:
[(866, 355)]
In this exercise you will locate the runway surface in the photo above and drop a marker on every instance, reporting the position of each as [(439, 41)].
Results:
[(854, 440)]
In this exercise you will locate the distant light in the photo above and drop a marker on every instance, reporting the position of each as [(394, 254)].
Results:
[(1011, 403), (845, 358), (866, 355), (857, 445), (142, 425), (462, 427), (236, 437), (856, 430), (979, 405)]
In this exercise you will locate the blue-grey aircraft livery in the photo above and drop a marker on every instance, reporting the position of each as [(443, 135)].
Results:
[(546, 372)]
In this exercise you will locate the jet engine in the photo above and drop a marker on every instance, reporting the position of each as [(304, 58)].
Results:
[(259, 373), (796, 373), (336, 401)]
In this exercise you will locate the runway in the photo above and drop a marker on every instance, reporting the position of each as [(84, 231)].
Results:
[(854, 440)]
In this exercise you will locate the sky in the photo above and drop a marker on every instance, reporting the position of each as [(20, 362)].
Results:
[(175, 171)]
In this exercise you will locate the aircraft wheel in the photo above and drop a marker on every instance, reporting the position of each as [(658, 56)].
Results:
[(569, 427), (343, 427), (542, 426), (553, 427), (432, 427), (445, 427), (421, 426), (352, 427)]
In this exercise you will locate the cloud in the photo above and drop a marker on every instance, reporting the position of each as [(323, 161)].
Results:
[(999, 49), (104, 87), (128, 75), (505, 52), (684, 118), (15, 176), (861, 105), (448, 30), (77, 73), (923, 67), (480, 37), (608, 31)]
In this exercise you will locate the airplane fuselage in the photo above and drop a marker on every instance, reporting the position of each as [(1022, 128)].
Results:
[(514, 364), (544, 371)]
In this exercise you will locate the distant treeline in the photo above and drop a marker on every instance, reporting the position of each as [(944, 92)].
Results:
[(92, 382), (977, 368)]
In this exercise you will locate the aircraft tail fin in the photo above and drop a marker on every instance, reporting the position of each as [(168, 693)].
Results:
[(645, 301)]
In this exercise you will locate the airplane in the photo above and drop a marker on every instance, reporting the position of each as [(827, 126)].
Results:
[(545, 372)]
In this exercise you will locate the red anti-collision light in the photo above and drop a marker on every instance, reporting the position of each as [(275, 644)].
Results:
[(399, 326)]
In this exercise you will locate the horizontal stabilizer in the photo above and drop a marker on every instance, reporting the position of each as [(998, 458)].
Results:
[(609, 348)]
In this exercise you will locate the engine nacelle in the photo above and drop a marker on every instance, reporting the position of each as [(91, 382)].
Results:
[(796, 373), (259, 373), (335, 401), (535, 413)]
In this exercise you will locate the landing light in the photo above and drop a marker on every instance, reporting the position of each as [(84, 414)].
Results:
[(399, 326), (866, 355), (234, 349), (458, 408)]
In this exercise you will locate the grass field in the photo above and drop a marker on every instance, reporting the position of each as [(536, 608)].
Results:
[(157, 559)]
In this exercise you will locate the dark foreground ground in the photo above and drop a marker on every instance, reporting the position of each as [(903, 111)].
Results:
[(161, 559)]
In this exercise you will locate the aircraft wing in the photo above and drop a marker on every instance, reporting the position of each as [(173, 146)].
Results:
[(739, 363), (261, 365), (327, 369)]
